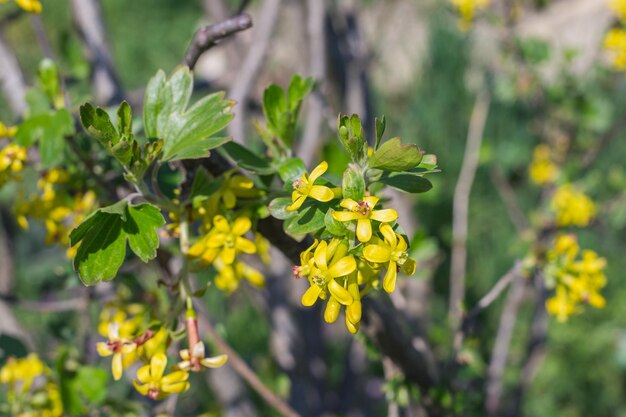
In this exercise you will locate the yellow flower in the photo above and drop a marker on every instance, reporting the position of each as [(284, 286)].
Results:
[(393, 252), (22, 371), (7, 131), (263, 248), (123, 351), (153, 384), (200, 360), (561, 306), (127, 317), (542, 170), (328, 264), (467, 9), (306, 261), (233, 187), (363, 212), (619, 7), (304, 187), (615, 45), (224, 241), (572, 207), (31, 6), (12, 158), (229, 276)]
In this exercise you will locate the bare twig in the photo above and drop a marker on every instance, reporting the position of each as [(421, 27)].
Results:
[(90, 25), (516, 214), (250, 68), (208, 36), (55, 306), (461, 205), (42, 39), (241, 367), (12, 79), (484, 302), (311, 140), (500, 353)]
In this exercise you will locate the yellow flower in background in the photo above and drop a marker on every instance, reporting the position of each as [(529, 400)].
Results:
[(199, 354), (233, 187), (20, 373), (157, 386), (128, 317), (577, 279), (572, 207), (122, 349), (7, 131), (224, 241), (31, 6), (305, 187), (229, 276), (542, 170), (393, 253), (615, 45), (619, 7), (12, 159), (467, 10), (329, 264), (363, 212)]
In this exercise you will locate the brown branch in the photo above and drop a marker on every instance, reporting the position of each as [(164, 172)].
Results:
[(12, 79), (497, 365), (507, 194), (249, 69), (208, 36), (461, 205), (242, 367)]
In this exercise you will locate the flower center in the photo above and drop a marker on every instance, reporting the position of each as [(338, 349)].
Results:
[(229, 241), (153, 392), (400, 257), (362, 208), (298, 185), (318, 279), (296, 271)]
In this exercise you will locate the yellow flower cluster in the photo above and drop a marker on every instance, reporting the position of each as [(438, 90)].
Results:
[(12, 156), (572, 207), (127, 344), (56, 208), (31, 389), (542, 169), (615, 45), (467, 10), (577, 278), (337, 277), (619, 7), (31, 6)]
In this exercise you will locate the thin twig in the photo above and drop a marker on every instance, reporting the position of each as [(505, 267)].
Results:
[(55, 306), (251, 65), (497, 365), (461, 205), (208, 36), (12, 79), (491, 296), (516, 214), (42, 38), (241, 367)]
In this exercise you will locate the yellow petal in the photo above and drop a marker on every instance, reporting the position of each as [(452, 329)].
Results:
[(241, 226), (143, 374), (157, 365), (245, 245), (318, 171), (228, 255), (116, 366), (321, 193), (311, 295), (320, 255), (340, 293), (364, 230), (353, 312), (175, 377), (103, 349), (209, 255), (239, 181), (345, 216), (184, 354), (221, 224), (384, 216), (142, 389), (215, 361), (342, 267), (215, 239), (371, 201), (377, 254), (389, 282), (349, 204), (389, 234), (297, 203), (229, 199), (176, 388), (352, 327), (332, 310)]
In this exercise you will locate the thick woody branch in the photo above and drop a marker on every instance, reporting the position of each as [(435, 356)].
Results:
[(208, 36)]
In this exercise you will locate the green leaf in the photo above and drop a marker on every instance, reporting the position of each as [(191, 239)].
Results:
[(103, 236), (247, 159), (351, 136), (91, 383), (290, 169), (428, 162), (141, 227), (380, 129), (49, 130), (98, 124), (309, 220), (393, 155), (335, 227), (203, 184), (48, 77), (408, 183), (186, 132), (299, 88), (353, 185), (125, 119), (274, 105), (278, 208)]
